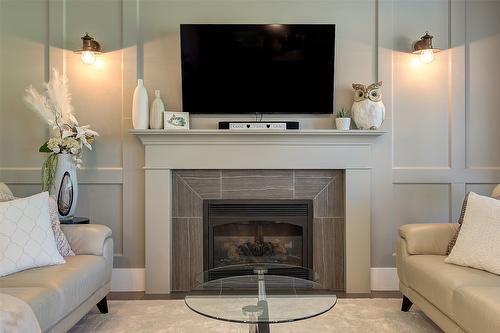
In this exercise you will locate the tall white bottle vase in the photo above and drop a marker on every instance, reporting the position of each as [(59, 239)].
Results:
[(156, 112), (140, 112)]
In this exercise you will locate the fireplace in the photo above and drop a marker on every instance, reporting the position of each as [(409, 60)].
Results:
[(238, 232), (331, 168), (308, 203)]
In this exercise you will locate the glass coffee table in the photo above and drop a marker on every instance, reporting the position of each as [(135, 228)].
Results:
[(260, 296)]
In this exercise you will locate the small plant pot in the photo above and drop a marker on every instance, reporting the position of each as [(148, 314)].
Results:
[(343, 123)]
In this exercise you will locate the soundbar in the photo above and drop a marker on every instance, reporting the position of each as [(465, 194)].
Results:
[(258, 125)]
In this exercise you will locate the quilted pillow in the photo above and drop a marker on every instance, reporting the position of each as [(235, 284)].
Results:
[(5, 193), (26, 236), (496, 192), (460, 222), (61, 241), (477, 242)]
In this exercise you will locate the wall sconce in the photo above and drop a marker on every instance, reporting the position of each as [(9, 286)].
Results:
[(424, 48), (90, 48)]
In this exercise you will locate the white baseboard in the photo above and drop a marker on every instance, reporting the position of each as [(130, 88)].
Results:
[(128, 279), (134, 279), (384, 278)]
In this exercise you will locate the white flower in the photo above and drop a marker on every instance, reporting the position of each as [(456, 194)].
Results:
[(83, 133), (74, 151), (70, 143), (54, 144), (67, 134), (78, 162)]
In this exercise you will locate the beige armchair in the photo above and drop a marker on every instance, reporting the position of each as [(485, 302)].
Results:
[(456, 298)]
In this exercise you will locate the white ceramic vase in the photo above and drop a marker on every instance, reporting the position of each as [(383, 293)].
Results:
[(65, 187), (343, 123), (140, 112), (156, 112)]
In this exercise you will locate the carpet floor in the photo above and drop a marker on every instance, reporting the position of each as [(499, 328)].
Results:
[(172, 316)]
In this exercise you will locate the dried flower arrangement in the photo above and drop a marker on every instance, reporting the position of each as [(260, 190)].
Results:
[(55, 108)]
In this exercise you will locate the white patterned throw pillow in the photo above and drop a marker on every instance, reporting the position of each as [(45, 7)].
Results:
[(478, 242), (61, 242), (26, 236)]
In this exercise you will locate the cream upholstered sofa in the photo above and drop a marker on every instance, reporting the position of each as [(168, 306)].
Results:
[(61, 295), (456, 298)]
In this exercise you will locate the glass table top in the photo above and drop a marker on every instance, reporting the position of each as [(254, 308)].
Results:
[(260, 296)]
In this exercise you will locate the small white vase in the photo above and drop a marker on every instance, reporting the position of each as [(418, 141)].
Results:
[(156, 112), (343, 123), (65, 187), (140, 112)]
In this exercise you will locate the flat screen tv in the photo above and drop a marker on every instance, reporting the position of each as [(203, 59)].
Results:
[(257, 68)]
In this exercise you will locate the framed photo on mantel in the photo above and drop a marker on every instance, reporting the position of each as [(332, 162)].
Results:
[(175, 120)]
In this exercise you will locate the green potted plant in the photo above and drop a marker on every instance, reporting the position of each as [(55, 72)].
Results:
[(343, 119)]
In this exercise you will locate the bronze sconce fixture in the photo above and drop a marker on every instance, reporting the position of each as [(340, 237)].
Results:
[(90, 48), (424, 48)]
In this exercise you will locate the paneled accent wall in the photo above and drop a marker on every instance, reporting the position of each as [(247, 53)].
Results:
[(442, 119), (444, 140), (324, 187)]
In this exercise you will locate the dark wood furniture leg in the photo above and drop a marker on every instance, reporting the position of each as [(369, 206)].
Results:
[(406, 304), (103, 305)]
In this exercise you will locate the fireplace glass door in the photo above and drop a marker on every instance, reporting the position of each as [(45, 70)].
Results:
[(240, 232), (257, 242)]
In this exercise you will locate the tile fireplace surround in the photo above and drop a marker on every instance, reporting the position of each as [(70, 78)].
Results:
[(170, 152), (324, 187)]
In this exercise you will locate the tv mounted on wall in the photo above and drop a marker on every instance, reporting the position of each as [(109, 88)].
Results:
[(257, 68)]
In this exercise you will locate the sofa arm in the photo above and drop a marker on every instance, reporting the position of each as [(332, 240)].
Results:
[(427, 238), (86, 238)]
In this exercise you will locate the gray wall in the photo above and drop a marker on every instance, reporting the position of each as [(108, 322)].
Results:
[(442, 118)]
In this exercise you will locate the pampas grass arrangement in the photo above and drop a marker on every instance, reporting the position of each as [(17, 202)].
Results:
[(55, 108)]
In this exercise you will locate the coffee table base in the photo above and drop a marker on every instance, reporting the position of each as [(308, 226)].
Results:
[(259, 328)]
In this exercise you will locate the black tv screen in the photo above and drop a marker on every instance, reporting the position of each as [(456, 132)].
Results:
[(257, 68)]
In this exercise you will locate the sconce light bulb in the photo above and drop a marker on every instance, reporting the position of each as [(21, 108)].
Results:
[(427, 56), (88, 57)]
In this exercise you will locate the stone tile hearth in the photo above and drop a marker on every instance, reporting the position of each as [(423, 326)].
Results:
[(324, 187)]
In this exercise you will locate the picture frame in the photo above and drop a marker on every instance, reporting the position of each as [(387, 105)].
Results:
[(175, 120)]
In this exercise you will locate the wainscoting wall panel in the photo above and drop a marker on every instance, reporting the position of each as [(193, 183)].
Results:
[(420, 107), (483, 189), (467, 38), (422, 203), (102, 203), (441, 121), (483, 70)]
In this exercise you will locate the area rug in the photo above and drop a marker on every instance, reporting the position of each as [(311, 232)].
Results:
[(172, 316)]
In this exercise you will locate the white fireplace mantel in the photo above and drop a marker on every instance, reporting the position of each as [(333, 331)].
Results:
[(218, 149)]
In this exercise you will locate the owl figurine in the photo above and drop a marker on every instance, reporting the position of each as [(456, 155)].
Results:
[(368, 111)]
